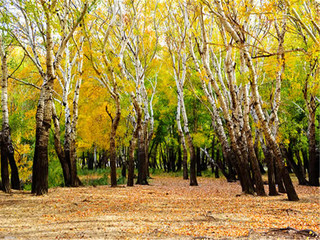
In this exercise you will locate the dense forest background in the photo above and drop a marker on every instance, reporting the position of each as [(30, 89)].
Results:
[(230, 86)]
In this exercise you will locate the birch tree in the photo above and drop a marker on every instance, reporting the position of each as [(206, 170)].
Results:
[(177, 31), (239, 37), (229, 101), (7, 150), (309, 31), (72, 68), (35, 23), (107, 64), (142, 47)]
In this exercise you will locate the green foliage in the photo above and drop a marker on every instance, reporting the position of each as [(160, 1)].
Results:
[(55, 178)]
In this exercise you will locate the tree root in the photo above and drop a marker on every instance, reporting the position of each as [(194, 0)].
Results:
[(305, 232)]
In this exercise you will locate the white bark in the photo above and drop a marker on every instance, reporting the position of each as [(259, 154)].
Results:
[(237, 36)]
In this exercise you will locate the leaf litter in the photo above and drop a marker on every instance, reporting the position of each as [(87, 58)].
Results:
[(168, 208)]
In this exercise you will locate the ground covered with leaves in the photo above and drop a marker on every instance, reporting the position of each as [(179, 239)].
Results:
[(166, 209)]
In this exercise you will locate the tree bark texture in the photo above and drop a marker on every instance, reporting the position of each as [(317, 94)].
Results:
[(313, 160), (133, 142), (252, 155), (115, 124)]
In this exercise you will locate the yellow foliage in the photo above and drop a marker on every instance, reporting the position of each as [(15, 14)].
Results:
[(24, 163)]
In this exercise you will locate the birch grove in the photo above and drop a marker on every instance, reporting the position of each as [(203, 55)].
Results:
[(160, 81)]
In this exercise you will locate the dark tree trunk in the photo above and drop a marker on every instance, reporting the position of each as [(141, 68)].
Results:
[(296, 168), (198, 158), (113, 158), (133, 142), (250, 147), (15, 181), (142, 175), (212, 156), (231, 162), (300, 165), (313, 160), (169, 155), (193, 175), (261, 168), (244, 176), (150, 156), (305, 161), (90, 161), (279, 178), (164, 161), (179, 162), (4, 169), (59, 151), (185, 163), (40, 160), (70, 167), (271, 176), (160, 158), (218, 161), (124, 170), (40, 163), (114, 127), (172, 159), (131, 164)]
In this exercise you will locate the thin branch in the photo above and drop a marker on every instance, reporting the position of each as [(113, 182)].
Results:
[(24, 56)]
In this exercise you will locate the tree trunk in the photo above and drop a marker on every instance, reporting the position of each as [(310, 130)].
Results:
[(185, 162), (193, 175), (142, 176), (305, 160), (297, 169), (212, 155), (182, 140), (90, 160), (198, 157), (252, 155), (313, 160), (300, 165), (113, 153), (43, 119), (15, 181), (216, 172), (4, 169), (179, 162), (268, 156), (291, 193), (279, 179), (73, 151), (7, 151), (133, 142), (58, 148), (40, 160)]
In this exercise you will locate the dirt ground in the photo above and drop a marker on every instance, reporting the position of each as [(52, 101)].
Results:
[(166, 209)]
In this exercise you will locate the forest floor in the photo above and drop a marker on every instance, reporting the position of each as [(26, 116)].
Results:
[(166, 209)]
